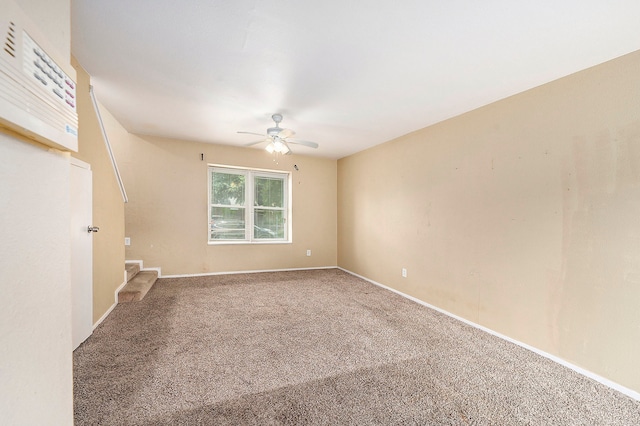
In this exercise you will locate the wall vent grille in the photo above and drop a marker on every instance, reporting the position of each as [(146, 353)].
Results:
[(37, 87), (10, 40)]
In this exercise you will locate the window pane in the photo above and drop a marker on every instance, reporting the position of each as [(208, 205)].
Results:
[(269, 192), (247, 205), (227, 189), (268, 224), (227, 223)]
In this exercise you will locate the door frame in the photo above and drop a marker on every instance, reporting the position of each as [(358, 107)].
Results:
[(81, 253)]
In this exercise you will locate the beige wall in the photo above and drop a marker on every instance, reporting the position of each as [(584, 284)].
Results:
[(522, 216), (53, 20), (108, 204), (36, 386), (167, 214)]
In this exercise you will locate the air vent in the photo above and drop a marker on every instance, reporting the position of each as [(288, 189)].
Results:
[(10, 40)]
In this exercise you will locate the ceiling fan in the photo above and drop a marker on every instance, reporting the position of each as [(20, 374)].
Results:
[(278, 139)]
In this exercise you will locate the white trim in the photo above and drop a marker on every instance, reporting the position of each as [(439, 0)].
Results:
[(120, 287), (248, 272), (249, 207), (79, 163), (108, 145), (142, 268), (611, 384), (226, 166), (240, 242), (158, 270), (115, 303)]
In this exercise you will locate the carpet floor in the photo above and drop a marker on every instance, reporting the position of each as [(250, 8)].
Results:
[(317, 347)]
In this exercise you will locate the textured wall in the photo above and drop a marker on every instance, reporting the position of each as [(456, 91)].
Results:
[(35, 318), (167, 213), (35, 283), (53, 19), (108, 205), (521, 216)]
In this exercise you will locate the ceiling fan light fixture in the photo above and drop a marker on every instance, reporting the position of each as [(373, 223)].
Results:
[(277, 146)]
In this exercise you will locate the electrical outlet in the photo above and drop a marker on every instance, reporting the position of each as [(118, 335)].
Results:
[(127, 241), (404, 272), (308, 252)]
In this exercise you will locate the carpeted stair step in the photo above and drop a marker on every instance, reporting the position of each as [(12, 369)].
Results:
[(137, 287), (132, 269)]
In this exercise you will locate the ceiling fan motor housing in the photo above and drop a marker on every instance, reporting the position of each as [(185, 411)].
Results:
[(273, 131), (277, 118)]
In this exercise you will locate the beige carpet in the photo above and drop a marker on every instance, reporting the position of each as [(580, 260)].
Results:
[(317, 347)]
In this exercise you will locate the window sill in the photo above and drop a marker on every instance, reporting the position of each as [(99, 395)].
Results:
[(233, 243)]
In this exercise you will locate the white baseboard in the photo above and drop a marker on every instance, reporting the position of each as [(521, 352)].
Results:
[(207, 274), (611, 384), (115, 302), (158, 270), (142, 268), (117, 290)]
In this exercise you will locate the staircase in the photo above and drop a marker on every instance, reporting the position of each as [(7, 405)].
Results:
[(138, 283)]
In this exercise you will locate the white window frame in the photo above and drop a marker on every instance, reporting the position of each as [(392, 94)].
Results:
[(249, 206)]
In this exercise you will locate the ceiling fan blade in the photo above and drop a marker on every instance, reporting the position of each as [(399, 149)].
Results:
[(256, 142), (286, 133), (252, 133), (305, 143)]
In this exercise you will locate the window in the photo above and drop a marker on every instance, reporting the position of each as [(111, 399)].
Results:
[(248, 205)]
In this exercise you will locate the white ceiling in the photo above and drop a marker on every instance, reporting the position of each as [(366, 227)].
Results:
[(347, 74)]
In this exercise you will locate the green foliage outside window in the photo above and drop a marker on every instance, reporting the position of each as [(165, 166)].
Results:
[(266, 207), (269, 192), (228, 189)]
